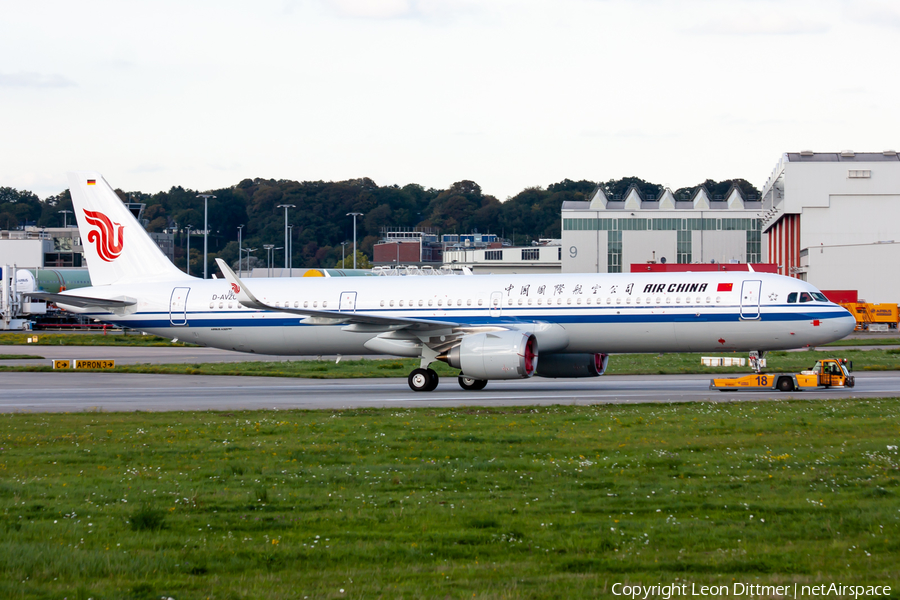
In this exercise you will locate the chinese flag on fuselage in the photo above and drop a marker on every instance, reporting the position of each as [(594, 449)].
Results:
[(725, 287)]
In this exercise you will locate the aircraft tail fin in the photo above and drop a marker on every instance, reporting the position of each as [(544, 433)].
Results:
[(116, 247)]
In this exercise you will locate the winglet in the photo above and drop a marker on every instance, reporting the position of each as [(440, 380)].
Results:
[(244, 295)]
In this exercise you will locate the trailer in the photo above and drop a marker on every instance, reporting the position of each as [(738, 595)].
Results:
[(828, 373), (870, 316)]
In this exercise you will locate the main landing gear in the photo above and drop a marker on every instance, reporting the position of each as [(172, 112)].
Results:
[(471, 384), (426, 380), (423, 380)]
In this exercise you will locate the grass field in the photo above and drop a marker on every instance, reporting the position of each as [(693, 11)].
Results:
[(623, 364), (552, 502), (71, 338)]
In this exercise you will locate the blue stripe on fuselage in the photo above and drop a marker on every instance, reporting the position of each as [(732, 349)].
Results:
[(243, 319)]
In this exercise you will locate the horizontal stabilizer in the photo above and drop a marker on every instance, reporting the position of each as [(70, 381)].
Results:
[(81, 301)]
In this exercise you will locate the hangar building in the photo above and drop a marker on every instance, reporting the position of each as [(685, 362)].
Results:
[(607, 235), (833, 219)]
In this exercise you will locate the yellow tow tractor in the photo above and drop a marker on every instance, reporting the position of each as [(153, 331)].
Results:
[(828, 373)]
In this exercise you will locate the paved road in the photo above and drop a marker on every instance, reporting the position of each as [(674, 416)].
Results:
[(109, 392), (130, 355)]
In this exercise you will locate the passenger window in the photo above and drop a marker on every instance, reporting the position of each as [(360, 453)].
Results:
[(576, 302), (440, 302), (659, 300), (430, 302), (469, 302), (325, 304), (212, 304), (392, 303), (792, 298), (296, 304), (520, 301), (637, 300), (805, 297), (229, 305), (588, 301), (401, 303), (382, 303), (306, 303), (316, 303), (509, 301), (669, 300), (480, 302)]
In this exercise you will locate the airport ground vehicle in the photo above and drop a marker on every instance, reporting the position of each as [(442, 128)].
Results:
[(873, 317), (831, 372), (870, 316)]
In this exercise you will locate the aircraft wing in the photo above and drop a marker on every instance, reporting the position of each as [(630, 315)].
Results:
[(330, 317), (81, 301)]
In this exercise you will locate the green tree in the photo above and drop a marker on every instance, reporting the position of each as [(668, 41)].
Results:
[(362, 261)]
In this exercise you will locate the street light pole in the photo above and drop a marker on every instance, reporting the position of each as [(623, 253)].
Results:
[(286, 207), (290, 250), (188, 266), (248, 251), (343, 245), (354, 215), (206, 198), (64, 212), (268, 249), (240, 255)]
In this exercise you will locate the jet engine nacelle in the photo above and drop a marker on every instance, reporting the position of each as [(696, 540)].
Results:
[(572, 365), (495, 355)]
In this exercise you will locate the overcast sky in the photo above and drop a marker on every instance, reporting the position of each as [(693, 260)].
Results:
[(508, 93)]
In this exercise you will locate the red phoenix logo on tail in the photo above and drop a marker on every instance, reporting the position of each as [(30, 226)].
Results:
[(108, 247), (235, 288)]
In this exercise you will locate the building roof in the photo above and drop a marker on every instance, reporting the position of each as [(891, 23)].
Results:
[(845, 156)]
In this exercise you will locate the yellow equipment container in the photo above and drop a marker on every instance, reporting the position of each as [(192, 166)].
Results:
[(831, 372), (873, 316)]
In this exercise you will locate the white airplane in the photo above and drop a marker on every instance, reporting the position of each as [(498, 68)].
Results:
[(488, 326)]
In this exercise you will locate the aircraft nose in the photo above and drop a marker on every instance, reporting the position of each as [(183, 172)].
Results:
[(845, 324)]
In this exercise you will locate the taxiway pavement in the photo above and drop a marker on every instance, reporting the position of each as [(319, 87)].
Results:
[(111, 392)]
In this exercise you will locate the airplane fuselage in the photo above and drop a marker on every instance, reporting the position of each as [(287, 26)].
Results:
[(568, 313)]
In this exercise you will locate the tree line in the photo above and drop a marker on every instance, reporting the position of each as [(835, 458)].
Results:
[(320, 221)]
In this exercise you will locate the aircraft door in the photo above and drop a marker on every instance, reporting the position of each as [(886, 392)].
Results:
[(178, 306), (750, 299), (496, 304), (348, 302)]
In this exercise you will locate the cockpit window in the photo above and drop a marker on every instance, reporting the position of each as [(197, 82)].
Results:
[(805, 297), (819, 296), (792, 298)]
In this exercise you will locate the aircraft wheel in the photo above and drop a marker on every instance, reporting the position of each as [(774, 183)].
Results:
[(471, 384), (423, 380), (785, 384), (434, 379)]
